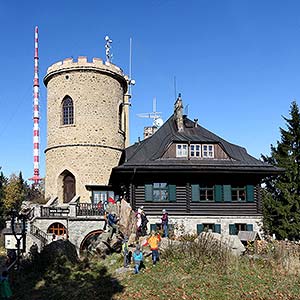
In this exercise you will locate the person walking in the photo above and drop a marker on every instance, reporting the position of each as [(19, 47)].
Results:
[(138, 216), (125, 251), (144, 222), (6, 292), (165, 223), (137, 259), (153, 241)]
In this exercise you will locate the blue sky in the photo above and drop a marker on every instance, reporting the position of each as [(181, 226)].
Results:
[(236, 63)]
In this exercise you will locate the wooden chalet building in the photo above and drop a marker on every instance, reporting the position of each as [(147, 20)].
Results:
[(202, 180)]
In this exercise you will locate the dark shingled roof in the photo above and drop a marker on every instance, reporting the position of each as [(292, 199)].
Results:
[(149, 152)]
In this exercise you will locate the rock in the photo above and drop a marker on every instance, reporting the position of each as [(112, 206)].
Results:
[(123, 270), (231, 241), (127, 222)]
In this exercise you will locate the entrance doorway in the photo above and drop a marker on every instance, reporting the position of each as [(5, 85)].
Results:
[(69, 190)]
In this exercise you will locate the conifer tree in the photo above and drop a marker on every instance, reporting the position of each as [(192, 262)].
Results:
[(281, 200)]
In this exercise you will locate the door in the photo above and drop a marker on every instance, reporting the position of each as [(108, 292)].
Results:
[(69, 187)]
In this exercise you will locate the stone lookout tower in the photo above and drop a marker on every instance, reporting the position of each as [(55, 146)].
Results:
[(87, 128)]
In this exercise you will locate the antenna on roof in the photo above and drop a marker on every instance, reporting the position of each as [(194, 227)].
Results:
[(186, 110), (175, 91), (155, 115)]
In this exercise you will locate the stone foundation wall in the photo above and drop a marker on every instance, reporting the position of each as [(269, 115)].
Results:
[(190, 223)]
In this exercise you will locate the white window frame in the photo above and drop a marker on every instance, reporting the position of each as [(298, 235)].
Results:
[(195, 152), (209, 152), (182, 150)]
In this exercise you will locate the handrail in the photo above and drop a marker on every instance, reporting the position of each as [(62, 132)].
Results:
[(41, 235)]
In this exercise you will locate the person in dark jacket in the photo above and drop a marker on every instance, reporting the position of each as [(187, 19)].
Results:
[(165, 223), (112, 221)]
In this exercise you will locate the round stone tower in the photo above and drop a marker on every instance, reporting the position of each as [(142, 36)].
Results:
[(86, 119)]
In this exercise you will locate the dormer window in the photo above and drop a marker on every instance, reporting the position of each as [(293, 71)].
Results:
[(181, 150), (195, 150), (207, 151)]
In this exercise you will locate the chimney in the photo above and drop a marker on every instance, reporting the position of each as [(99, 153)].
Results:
[(178, 115)]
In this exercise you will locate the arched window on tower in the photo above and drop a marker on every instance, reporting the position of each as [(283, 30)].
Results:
[(67, 111)]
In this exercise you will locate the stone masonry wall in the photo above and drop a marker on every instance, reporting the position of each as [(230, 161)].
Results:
[(91, 146)]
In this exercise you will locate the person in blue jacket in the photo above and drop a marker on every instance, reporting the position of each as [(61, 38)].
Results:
[(137, 259)]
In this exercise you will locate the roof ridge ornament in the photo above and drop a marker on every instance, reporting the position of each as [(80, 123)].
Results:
[(178, 113)]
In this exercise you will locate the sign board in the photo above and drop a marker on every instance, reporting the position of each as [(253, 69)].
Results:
[(11, 242)]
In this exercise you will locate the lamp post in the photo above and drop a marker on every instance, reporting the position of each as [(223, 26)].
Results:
[(16, 219)]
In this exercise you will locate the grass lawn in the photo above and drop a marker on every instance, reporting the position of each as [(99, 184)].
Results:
[(184, 279), (197, 271)]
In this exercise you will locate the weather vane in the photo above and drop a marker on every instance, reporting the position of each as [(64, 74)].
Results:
[(107, 49)]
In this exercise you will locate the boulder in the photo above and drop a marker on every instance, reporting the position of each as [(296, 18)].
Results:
[(232, 242), (127, 221)]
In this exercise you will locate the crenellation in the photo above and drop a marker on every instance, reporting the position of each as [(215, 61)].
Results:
[(68, 60), (82, 62), (82, 59)]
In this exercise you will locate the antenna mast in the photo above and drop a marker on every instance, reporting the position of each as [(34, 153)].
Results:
[(155, 115), (36, 131), (127, 96)]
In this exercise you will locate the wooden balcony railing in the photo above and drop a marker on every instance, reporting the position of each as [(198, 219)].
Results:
[(54, 212), (89, 209)]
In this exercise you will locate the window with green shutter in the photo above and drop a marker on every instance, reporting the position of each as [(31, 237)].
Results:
[(200, 228), (227, 192), (238, 193), (217, 228), (232, 229), (206, 192), (250, 193), (195, 192), (160, 192), (153, 227), (172, 192), (218, 193), (249, 227), (148, 192)]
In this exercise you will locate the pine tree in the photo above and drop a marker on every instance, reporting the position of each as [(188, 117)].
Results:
[(281, 200)]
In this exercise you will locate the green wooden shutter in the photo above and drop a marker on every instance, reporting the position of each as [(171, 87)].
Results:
[(195, 192), (200, 228), (148, 192), (232, 229), (217, 228), (172, 193), (249, 227), (218, 193), (227, 192), (250, 193), (153, 227)]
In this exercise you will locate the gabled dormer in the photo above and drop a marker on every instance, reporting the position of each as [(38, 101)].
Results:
[(195, 150)]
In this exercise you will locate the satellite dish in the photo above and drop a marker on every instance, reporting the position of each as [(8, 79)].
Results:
[(158, 122)]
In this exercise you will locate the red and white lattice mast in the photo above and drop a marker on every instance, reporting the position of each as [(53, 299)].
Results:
[(36, 131)]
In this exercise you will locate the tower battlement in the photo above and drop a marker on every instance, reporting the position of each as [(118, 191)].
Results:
[(82, 63)]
